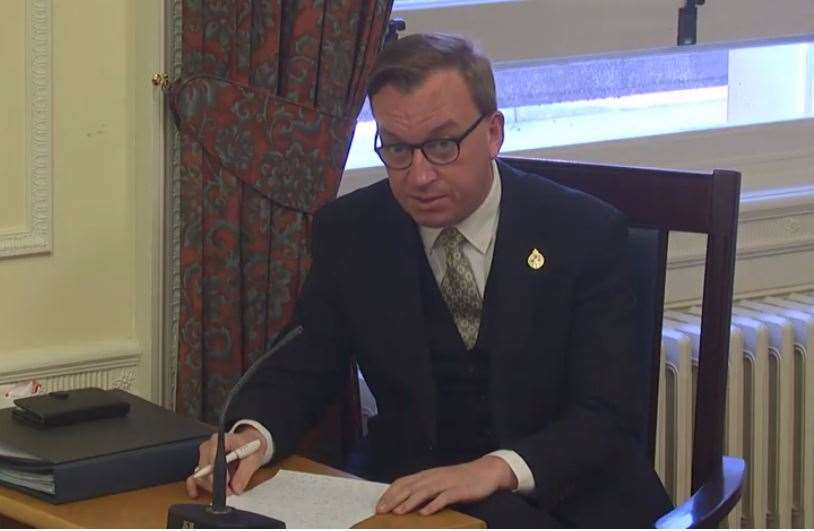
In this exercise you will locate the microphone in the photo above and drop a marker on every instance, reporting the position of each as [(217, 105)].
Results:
[(218, 515)]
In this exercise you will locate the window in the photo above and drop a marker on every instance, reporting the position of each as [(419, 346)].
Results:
[(589, 99)]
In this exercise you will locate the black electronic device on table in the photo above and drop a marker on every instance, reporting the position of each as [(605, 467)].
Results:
[(63, 408)]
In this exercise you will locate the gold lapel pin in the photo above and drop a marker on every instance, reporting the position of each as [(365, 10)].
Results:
[(536, 259)]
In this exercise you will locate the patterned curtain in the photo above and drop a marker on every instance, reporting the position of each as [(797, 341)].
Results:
[(266, 107)]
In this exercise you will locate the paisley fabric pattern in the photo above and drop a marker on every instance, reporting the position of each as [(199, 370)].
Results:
[(266, 106), (458, 287)]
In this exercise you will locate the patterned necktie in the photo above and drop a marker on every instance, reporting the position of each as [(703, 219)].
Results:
[(458, 286)]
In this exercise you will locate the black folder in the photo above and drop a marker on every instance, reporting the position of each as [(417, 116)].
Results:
[(148, 446)]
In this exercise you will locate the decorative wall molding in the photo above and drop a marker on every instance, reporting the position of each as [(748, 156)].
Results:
[(756, 295), (150, 58), (114, 364), (774, 255), (772, 223), (777, 202), (172, 236), (35, 236)]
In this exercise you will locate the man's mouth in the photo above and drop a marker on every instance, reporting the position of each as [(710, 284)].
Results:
[(425, 201)]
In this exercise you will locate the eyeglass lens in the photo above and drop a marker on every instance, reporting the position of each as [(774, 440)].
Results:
[(441, 151)]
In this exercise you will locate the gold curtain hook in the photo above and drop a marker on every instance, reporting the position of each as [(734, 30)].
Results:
[(161, 80)]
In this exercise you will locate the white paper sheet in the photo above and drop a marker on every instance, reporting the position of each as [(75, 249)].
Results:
[(312, 501)]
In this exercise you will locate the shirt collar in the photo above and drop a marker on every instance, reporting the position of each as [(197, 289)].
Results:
[(479, 227)]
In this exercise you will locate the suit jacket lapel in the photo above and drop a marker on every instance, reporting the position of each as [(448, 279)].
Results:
[(397, 314), (513, 288)]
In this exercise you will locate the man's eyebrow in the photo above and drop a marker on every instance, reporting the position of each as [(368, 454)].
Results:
[(394, 138), (441, 127)]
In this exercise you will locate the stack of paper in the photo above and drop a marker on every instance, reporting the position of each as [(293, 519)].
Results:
[(41, 480), (9, 451), (310, 501)]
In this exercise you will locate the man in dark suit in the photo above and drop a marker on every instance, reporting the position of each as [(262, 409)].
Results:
[(488, 309)]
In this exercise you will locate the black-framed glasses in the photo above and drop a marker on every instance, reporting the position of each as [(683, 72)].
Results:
[(399, 156)]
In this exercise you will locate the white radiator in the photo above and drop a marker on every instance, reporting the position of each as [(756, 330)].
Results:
[(769, 393)]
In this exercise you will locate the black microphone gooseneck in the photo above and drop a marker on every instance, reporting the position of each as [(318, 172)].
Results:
[(219, 473), (218, 514)]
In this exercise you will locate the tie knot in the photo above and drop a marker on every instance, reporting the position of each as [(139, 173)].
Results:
[(450, 239)]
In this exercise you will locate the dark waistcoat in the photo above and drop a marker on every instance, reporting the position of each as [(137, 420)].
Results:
[(465, 428)]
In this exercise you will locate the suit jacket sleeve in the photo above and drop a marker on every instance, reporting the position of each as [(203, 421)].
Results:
[(292, 389), (595, 423)]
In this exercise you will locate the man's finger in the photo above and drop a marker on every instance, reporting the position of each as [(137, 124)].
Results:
[(401, 489), (233, 441), (230, 442), (416, 499), (204, 483), (211, 450), (244, 472), (192, 487), (205, 456), (439, 502), (394, 495)]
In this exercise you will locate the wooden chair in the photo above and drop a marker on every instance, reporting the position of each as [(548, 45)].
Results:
[(656, 202)]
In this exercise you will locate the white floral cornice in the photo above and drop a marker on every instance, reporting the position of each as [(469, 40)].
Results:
[(35, 236)]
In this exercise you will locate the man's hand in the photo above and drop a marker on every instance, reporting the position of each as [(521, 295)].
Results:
[(467, 482), (240, 471)]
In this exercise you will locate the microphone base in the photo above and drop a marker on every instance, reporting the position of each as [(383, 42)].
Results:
[(193, 516)]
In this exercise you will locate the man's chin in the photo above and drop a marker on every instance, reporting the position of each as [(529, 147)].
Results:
[(436, 215), (434, 220)]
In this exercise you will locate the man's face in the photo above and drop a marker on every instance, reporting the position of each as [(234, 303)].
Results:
[(442, 107)]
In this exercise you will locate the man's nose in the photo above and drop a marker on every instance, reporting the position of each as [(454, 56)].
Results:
[(421, 171)]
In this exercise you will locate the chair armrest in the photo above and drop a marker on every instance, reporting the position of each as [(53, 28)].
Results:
[(710, 503)]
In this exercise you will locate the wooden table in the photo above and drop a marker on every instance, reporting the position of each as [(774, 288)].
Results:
[(148, 507)]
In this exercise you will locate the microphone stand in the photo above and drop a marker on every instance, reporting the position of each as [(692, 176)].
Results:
[(218, 515)]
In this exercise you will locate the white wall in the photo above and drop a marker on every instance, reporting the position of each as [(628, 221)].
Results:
[(78, 235)]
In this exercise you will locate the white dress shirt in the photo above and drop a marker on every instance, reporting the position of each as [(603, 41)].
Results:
[(480, 230)]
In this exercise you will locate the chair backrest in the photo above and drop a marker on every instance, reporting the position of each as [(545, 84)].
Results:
[(657, 202)]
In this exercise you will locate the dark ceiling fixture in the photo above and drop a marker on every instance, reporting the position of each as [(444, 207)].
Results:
[(688, 22), (394, 26)]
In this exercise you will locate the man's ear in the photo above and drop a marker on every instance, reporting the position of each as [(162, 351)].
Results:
[(496, 123)]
